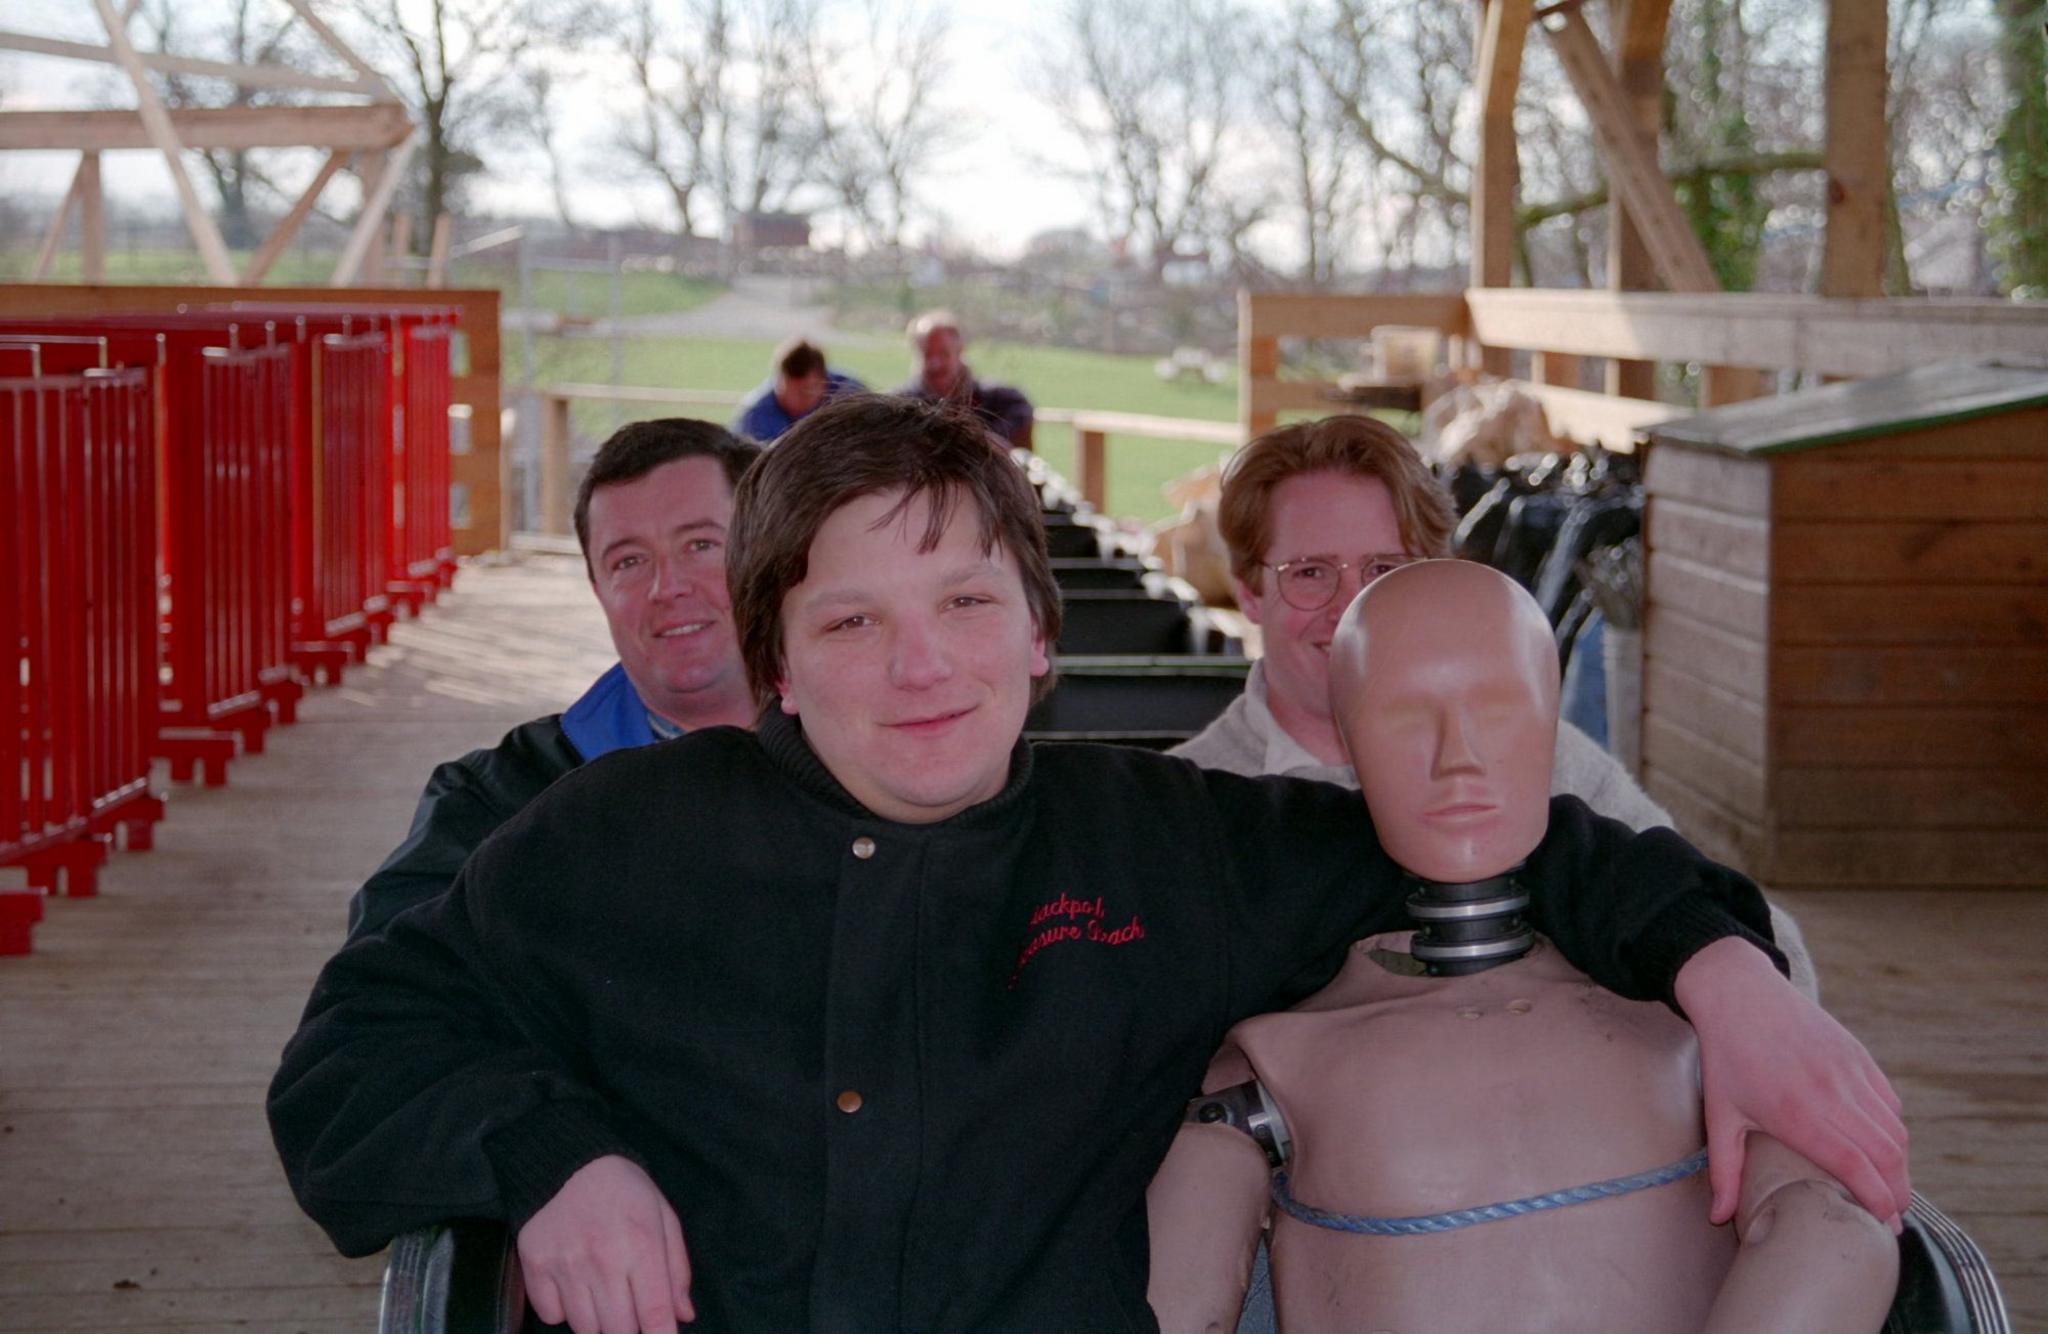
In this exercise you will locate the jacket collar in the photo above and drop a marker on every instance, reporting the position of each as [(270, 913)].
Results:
[(782, 737), (609, 717)]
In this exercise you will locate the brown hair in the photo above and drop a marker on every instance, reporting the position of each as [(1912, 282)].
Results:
[(638, 448), (856, 446), (797, 359), (1359, 446)]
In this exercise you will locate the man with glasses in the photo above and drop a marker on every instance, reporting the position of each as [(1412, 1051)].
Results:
[(1312, 513)]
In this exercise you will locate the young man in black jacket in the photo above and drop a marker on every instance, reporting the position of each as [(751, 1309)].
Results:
[(651, 517), (890, 1014)]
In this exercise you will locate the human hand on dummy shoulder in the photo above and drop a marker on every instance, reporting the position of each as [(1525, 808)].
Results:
[(1772, 1060), (606, 1254)]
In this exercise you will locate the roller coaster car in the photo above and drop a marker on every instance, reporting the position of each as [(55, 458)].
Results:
[(463, 1278)]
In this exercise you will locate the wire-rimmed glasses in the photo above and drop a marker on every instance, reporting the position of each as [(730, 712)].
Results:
[(1308, 584)]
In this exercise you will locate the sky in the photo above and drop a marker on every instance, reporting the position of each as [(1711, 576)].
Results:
[(994, 193)]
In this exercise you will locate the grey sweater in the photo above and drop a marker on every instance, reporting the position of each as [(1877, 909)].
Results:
[(1247, 739)]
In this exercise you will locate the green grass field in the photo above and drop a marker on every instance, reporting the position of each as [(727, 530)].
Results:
[(1053, 377)]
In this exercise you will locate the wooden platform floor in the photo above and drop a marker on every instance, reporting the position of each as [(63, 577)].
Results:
[(137, 1186)]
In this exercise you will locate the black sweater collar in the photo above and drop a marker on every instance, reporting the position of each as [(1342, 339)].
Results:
[(782, 737)]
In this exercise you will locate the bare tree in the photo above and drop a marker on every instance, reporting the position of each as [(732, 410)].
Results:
[(1324, 176), (459, 64), (1155, 92), (249, 32), (878, 114), (721, 109)]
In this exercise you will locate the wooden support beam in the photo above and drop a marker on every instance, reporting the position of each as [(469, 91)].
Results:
[(1764, 331), (245, 76), (92, 220), (376, 200), (54, 237), (554, 465), (1629, 159), (399, 248), (304, 9), (288, 226), (437, 251), (1858, 150), (1091, 463), (1558, 368), (212, 249), (1638, 30), (357, 129), (1504, 30)]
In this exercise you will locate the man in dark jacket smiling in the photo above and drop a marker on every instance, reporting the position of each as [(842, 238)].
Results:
[(651, 518), (890, 1014)]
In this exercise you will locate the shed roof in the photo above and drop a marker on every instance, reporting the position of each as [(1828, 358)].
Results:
[(1863, 409)]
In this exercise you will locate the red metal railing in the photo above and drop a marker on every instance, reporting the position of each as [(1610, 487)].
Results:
[(420, 559), (196, 509), (77, 625)]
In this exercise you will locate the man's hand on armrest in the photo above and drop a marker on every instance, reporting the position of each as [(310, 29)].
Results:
[(1773, 1060), (606, 1254)]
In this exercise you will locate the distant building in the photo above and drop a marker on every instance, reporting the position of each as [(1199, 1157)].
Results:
[(766, 231)]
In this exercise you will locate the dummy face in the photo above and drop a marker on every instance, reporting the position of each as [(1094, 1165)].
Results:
[(657, 561), (1444, 680), (1339, 517), (911, 670), (939, 360), (800, 395)]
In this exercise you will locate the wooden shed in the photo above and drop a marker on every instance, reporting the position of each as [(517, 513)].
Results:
[(1845, 649)]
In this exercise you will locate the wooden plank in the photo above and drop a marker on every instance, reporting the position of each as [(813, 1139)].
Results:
[(352, 128), (555, 502), (288, 226), (1829, 336), (1917, 798), (53, 236), (380, 173), (1158, 428), (1724, 835), (1736, 544), (437, 251), (1998, 736), (364, 70), (1711, 480), (1091, 462), (1729, 661), (1589, 418), (1965, 616), (1721, 717), (205, 233), (1911, 857), (1638, 31), (1555, 368), (92, 220), (243, 76), (1736, 785), (1858, 157), (1277, 396), (277, 1308), (1910, 553), (2009, 435), (1490, 213), (1258, 360), (1821, 486), (1351, 315), (1628, 158), (1729, 602), (1902, 676)]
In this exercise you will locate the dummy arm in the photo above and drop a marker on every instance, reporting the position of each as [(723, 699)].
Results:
[(1207, 1207), (1810, 1258)]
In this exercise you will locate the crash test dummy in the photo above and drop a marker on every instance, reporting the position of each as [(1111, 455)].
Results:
[(1463, 1132)]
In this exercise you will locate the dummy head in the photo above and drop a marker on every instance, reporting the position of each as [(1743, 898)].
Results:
[(1443, 682)]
